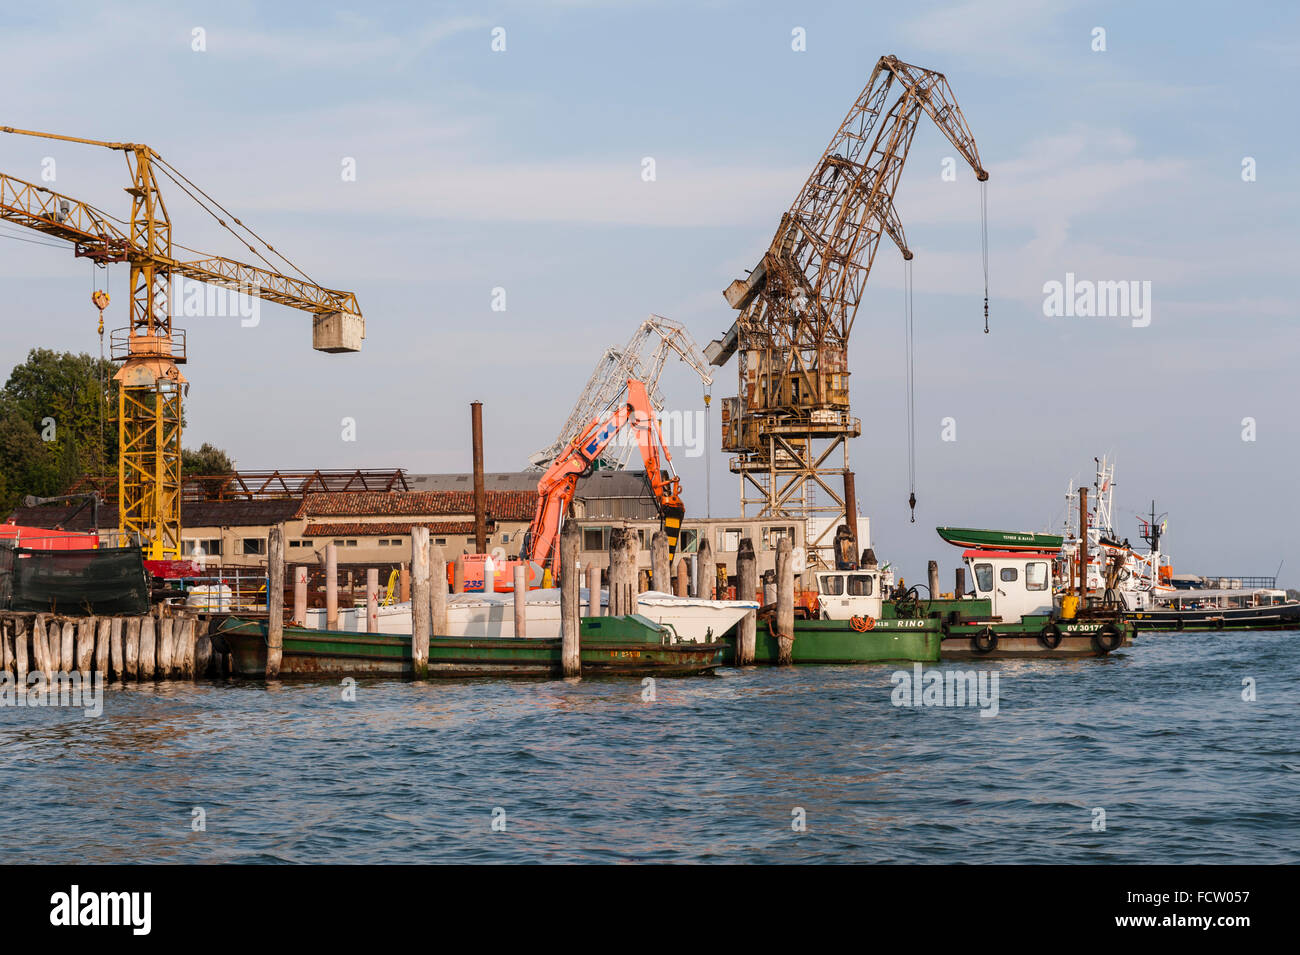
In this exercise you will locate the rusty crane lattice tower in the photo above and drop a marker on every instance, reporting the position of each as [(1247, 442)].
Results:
[(150, 349), (789, 426)]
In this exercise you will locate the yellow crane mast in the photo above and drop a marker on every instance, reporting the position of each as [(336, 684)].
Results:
[(150, 349)]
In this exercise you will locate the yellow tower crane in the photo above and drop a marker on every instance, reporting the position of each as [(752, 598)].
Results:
[(149, 348)]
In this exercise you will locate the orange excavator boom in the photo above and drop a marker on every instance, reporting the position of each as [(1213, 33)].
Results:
[(558, 484)]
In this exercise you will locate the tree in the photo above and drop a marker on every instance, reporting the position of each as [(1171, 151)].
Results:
[(58, 423), (206, 460)]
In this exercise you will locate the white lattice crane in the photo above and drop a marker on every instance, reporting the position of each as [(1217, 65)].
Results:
[(642, 358)]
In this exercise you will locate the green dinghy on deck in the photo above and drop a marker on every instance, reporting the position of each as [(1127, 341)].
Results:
[(999, 540), (630, 644)]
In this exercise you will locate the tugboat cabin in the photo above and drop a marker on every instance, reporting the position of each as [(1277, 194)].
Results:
[(1016, 583), (843, 594)]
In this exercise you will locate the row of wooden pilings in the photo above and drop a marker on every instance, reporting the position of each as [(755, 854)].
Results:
[(161, 646), (429, 592)]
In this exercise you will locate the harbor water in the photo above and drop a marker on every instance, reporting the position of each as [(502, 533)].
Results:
[(761, 765)]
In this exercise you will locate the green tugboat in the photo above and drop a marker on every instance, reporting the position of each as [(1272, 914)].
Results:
[(627, 645)]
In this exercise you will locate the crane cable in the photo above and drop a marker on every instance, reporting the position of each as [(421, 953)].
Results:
[(984, 247), (169, 169), (910, 378)]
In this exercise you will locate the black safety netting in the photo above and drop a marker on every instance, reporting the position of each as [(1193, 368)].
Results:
[(106, 580)]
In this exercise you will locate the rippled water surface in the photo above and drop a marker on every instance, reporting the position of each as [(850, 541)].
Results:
[(712, 770)]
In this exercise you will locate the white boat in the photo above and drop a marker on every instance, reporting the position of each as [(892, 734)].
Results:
[(493, 615)]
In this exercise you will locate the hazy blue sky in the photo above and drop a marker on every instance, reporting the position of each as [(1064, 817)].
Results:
[(521, 169)]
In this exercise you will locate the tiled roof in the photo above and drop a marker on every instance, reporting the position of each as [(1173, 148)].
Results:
[(389, 528), (193, 514), (501, 505)]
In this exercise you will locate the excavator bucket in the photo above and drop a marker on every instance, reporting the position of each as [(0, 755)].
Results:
[(671, 515)]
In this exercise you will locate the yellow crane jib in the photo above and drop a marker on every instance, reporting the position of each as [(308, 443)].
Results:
[(149, 348)]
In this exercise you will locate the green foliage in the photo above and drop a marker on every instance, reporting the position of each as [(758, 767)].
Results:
[(206, 460), (58, 422)]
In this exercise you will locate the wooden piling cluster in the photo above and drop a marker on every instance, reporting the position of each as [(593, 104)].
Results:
[(155, 647)]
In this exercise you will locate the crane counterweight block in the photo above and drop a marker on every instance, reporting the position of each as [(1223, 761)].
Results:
[(337, 332)]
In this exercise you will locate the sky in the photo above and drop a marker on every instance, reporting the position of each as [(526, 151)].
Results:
[(521, 169)]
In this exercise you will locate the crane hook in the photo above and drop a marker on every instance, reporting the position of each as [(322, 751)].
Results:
[(99, 299), (911, 502)]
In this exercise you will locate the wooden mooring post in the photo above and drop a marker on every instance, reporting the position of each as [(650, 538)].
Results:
[(932, 581), (784, 602), (372, 600), (275, 597), (747, 585), (659, 571), (438, 590), (421, 608), (705, 573), (300, 595), (521, 600), (331, 586), (593, 589), (682, 585), (570, 592)]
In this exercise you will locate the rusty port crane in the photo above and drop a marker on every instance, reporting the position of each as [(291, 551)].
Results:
[(150, 349), (797, 306)]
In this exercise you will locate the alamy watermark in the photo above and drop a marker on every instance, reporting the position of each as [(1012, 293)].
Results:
[(919, 687), (195, 299), (1084, 298), (71, 690)]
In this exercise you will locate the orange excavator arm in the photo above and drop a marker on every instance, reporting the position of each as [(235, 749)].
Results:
[(556, 488)]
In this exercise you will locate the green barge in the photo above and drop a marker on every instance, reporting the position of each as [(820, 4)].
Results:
[(627, 645), (844, 642)]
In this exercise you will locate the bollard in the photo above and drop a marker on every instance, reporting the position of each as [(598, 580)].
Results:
[(932, 581)]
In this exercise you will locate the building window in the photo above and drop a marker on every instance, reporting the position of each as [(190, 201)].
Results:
[(441, 542), (383, 542), (396, 541), (352, 543), (772, 536), (688, 542), (210, 548), (505, 538), (338, 543), (254, 546), (594, 538), (729, 539)]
